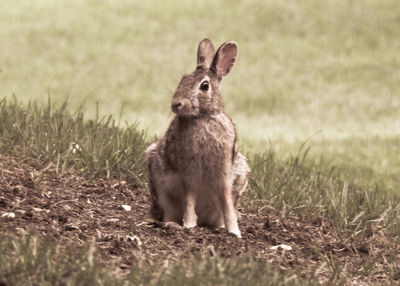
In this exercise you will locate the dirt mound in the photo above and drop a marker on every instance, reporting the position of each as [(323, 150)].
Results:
[(70, 208)]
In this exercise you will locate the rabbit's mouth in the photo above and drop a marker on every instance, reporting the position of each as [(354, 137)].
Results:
[(187, 112), (184, 108)]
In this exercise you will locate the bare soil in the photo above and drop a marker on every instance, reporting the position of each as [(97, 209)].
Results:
[(70, 209)]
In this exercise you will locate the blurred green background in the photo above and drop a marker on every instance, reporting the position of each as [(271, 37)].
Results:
[(322, 72)]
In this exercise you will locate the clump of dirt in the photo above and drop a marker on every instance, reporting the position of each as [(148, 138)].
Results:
[(69, 208)]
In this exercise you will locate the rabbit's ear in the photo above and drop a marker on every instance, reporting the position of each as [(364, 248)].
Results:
[(205, 54), (224, 59)]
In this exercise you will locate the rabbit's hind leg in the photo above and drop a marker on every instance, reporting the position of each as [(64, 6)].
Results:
[(165, 188), (208, 214), (170, 194)]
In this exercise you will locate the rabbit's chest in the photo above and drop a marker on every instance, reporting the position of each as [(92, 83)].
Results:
[(202, 146)]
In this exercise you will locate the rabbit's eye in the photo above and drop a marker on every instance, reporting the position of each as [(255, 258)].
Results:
[(204, 86)]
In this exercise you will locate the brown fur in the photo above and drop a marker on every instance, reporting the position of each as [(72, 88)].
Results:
[(196, 173)]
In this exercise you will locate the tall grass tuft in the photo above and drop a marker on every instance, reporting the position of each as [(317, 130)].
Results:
[(35, 261), (294, 187), (48, 134)]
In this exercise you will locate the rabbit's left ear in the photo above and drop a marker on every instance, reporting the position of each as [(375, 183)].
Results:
[(205, 54), (224, 59)]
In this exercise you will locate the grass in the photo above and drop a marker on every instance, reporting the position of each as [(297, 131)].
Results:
[(326, 71), (315, 74), (292, 187), (97, 147), (43, 135), (34, 265), (50, 135)]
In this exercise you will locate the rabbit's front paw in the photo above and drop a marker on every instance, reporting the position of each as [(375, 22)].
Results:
[(236, 232), (189, 223), (171, 225)]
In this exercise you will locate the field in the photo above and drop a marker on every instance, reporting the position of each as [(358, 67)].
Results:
[(315, 96)]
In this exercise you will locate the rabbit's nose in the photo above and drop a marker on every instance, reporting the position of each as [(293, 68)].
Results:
[(175, 106)]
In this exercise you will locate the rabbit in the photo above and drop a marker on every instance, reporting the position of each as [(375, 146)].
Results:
[(196, 174)]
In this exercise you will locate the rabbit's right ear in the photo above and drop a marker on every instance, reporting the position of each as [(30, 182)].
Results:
[(205, 54), (224, 59)]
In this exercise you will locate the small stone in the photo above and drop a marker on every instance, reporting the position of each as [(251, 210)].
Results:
[(135, 239), (281, 246), (8, 215), (127, 207), (21, 212)]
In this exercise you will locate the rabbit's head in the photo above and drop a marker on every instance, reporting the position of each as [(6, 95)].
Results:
[(198, 93)]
